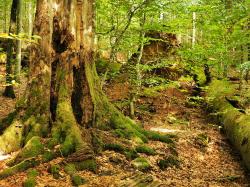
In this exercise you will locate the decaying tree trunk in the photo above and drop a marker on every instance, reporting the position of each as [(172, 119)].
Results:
[(64, 112)]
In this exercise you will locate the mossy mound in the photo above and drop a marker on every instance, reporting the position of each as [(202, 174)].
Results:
[(141, 164)]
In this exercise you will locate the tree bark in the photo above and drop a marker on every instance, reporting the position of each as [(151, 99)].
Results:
[(19, 42), (63, 103), (9, 90)]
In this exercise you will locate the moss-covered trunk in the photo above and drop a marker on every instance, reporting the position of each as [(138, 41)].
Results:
[(236, 124), (64, 107)]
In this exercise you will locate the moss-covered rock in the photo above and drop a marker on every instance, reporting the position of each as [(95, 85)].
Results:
[(141, 164)]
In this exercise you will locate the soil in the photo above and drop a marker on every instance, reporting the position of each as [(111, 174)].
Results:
[(208, 162)]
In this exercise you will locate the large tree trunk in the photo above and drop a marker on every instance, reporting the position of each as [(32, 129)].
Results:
[(64, 106)]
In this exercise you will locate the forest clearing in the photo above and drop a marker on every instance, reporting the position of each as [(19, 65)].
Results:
[(124, 93)]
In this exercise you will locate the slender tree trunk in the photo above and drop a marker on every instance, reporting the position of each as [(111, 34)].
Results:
[(194, 30), (9, 90), (5, 17), (19, 42), (30, 25), (229, 7)]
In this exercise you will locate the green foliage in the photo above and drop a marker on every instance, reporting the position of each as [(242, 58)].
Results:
[(108, 69)]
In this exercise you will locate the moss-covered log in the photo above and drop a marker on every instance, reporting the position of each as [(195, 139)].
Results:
[(236, 124)]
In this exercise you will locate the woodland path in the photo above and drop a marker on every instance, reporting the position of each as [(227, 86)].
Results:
[(206, 157)]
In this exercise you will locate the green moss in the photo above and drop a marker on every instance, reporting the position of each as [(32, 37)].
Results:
[(24, 165), (225, 89), (54, 170), (69, 145), (114, 147), (70, 169), (66, 131), (52, 143), (121, 133), (97, 143), (48, 156), (77, 180), (33, 173), (200, 75), (4, 123), (130, 154), (124, 127), (141, 164), (29, 182), (32, 128), (145, 149), (33, 148), (86, 165), (170, 161), (167, 138), (11, 138)]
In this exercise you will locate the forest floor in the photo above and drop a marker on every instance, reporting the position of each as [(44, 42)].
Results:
[(206, 159)]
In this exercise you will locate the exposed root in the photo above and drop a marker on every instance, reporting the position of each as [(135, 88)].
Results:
[(22, 166)]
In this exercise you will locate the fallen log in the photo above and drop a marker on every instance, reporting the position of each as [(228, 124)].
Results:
[(236, 124)]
